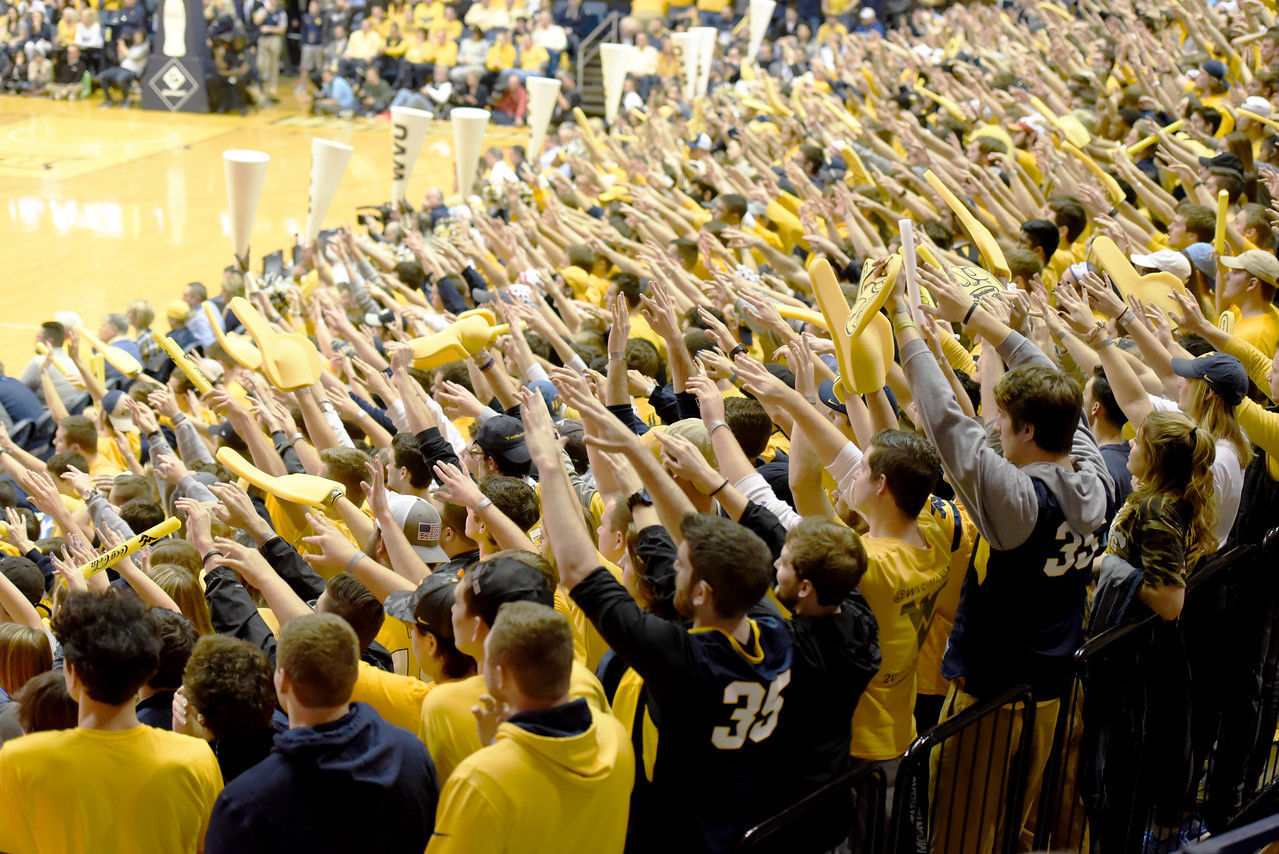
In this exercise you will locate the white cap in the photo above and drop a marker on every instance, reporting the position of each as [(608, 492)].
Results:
[(1167, 260), (1256, 104)]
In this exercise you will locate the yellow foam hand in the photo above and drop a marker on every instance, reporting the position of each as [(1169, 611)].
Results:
[(978, 233)]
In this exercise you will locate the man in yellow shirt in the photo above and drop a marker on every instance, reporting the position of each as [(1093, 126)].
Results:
[(78, 433), (111, 784), (1248, 290), (427, 611), (554, 768), (448, 727)]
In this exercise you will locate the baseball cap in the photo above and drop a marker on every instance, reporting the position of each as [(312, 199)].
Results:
[(420, 523), (550, 394), (430, 605), (1256, 104), (503, 436), (1216, 68), (701, 143), (1224, 374), (1256, 262), (1168, 260), (826, 394), (1204, 257), (1224, 160), (177, 310), (123, 421), (499, 580), (24, 575)]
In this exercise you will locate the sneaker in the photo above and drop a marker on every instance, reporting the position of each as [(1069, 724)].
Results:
[(1193, 829)]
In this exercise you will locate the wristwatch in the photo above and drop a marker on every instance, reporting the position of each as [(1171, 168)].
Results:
[(641, 497)]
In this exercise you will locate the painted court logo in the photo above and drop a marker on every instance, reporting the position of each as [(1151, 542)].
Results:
[(174, 85)]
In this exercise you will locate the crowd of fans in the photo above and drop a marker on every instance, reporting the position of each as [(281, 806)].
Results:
[(660, 559)]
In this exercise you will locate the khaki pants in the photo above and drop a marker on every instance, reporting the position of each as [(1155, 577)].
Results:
[(270, 49), (970, 775)]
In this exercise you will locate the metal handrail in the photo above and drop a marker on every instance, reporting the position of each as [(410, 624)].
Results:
[(589, 47)]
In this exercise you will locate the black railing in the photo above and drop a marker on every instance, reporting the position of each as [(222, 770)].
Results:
[(960, 786), (849, 809), (588, 49)]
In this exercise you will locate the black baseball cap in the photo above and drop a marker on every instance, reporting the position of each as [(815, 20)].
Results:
[(503, 437), (1224, 160), (24, 575), (494, 582), (1223, 373), (429, 606)]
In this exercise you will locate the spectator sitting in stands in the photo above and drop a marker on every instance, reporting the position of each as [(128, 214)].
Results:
[(471, 55), (472, 94), (534, 60), (415, 64), (433, 97), (39, 74), (335, 47), (132, 64), (69, 76), (510, 107), (550, 37), (88, 37), (363, 47), (375, 93), (336, 95)]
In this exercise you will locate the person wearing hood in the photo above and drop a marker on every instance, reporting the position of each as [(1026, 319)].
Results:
[(1039, 492), (555, 769), (338, 760)]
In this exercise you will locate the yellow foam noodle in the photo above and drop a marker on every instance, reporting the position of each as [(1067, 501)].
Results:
[(289, 360), (456, 342), (1268, 122), (942, 101), (585, 124), (1219, 236), (238, 347), (98, 367), (184, 363), (1152, 288), (117, 358), (1056, 10), (856, 166), (298, 488), (113, 556), (980, 235), (1107, 181), (42, 348), (1153, 138), (1074, 131)]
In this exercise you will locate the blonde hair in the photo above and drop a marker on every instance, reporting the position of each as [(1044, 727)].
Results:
[(1214, 415), (695, 431), (24, 653), (1179, 457), (186, 592)]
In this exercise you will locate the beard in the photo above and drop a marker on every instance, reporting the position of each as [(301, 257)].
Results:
[(683, 602), (787, 599)]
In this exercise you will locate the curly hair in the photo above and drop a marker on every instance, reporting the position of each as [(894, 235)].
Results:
[(111, 644), (228, 682)]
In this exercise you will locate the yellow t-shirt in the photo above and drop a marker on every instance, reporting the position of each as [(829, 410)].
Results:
[(418, 53), (447, 726), (533, 58), (424, 13), (649, 7), (588, 646), (453, 29), (398, 699), (1261, 331), (443, 54), (500, 57), (80, 790), (902, 585)]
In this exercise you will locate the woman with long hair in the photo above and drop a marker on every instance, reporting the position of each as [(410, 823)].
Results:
[(1168, 524), (24, 654), (185, 591)]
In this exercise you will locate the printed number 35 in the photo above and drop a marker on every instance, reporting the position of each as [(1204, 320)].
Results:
[(1073, 552), (755, 712)]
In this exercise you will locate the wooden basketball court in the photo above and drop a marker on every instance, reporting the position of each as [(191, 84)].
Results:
[(108, 205)]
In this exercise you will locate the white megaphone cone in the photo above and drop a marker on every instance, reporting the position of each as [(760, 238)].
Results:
[(687, 46), (706, 37), (328, 162), (761, 17), (468, 138), (408, 129), (616, 60), (542, 92), (245, 172)]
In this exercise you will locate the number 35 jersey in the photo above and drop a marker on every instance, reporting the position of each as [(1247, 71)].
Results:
[(1021, 611), (717, 705)]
